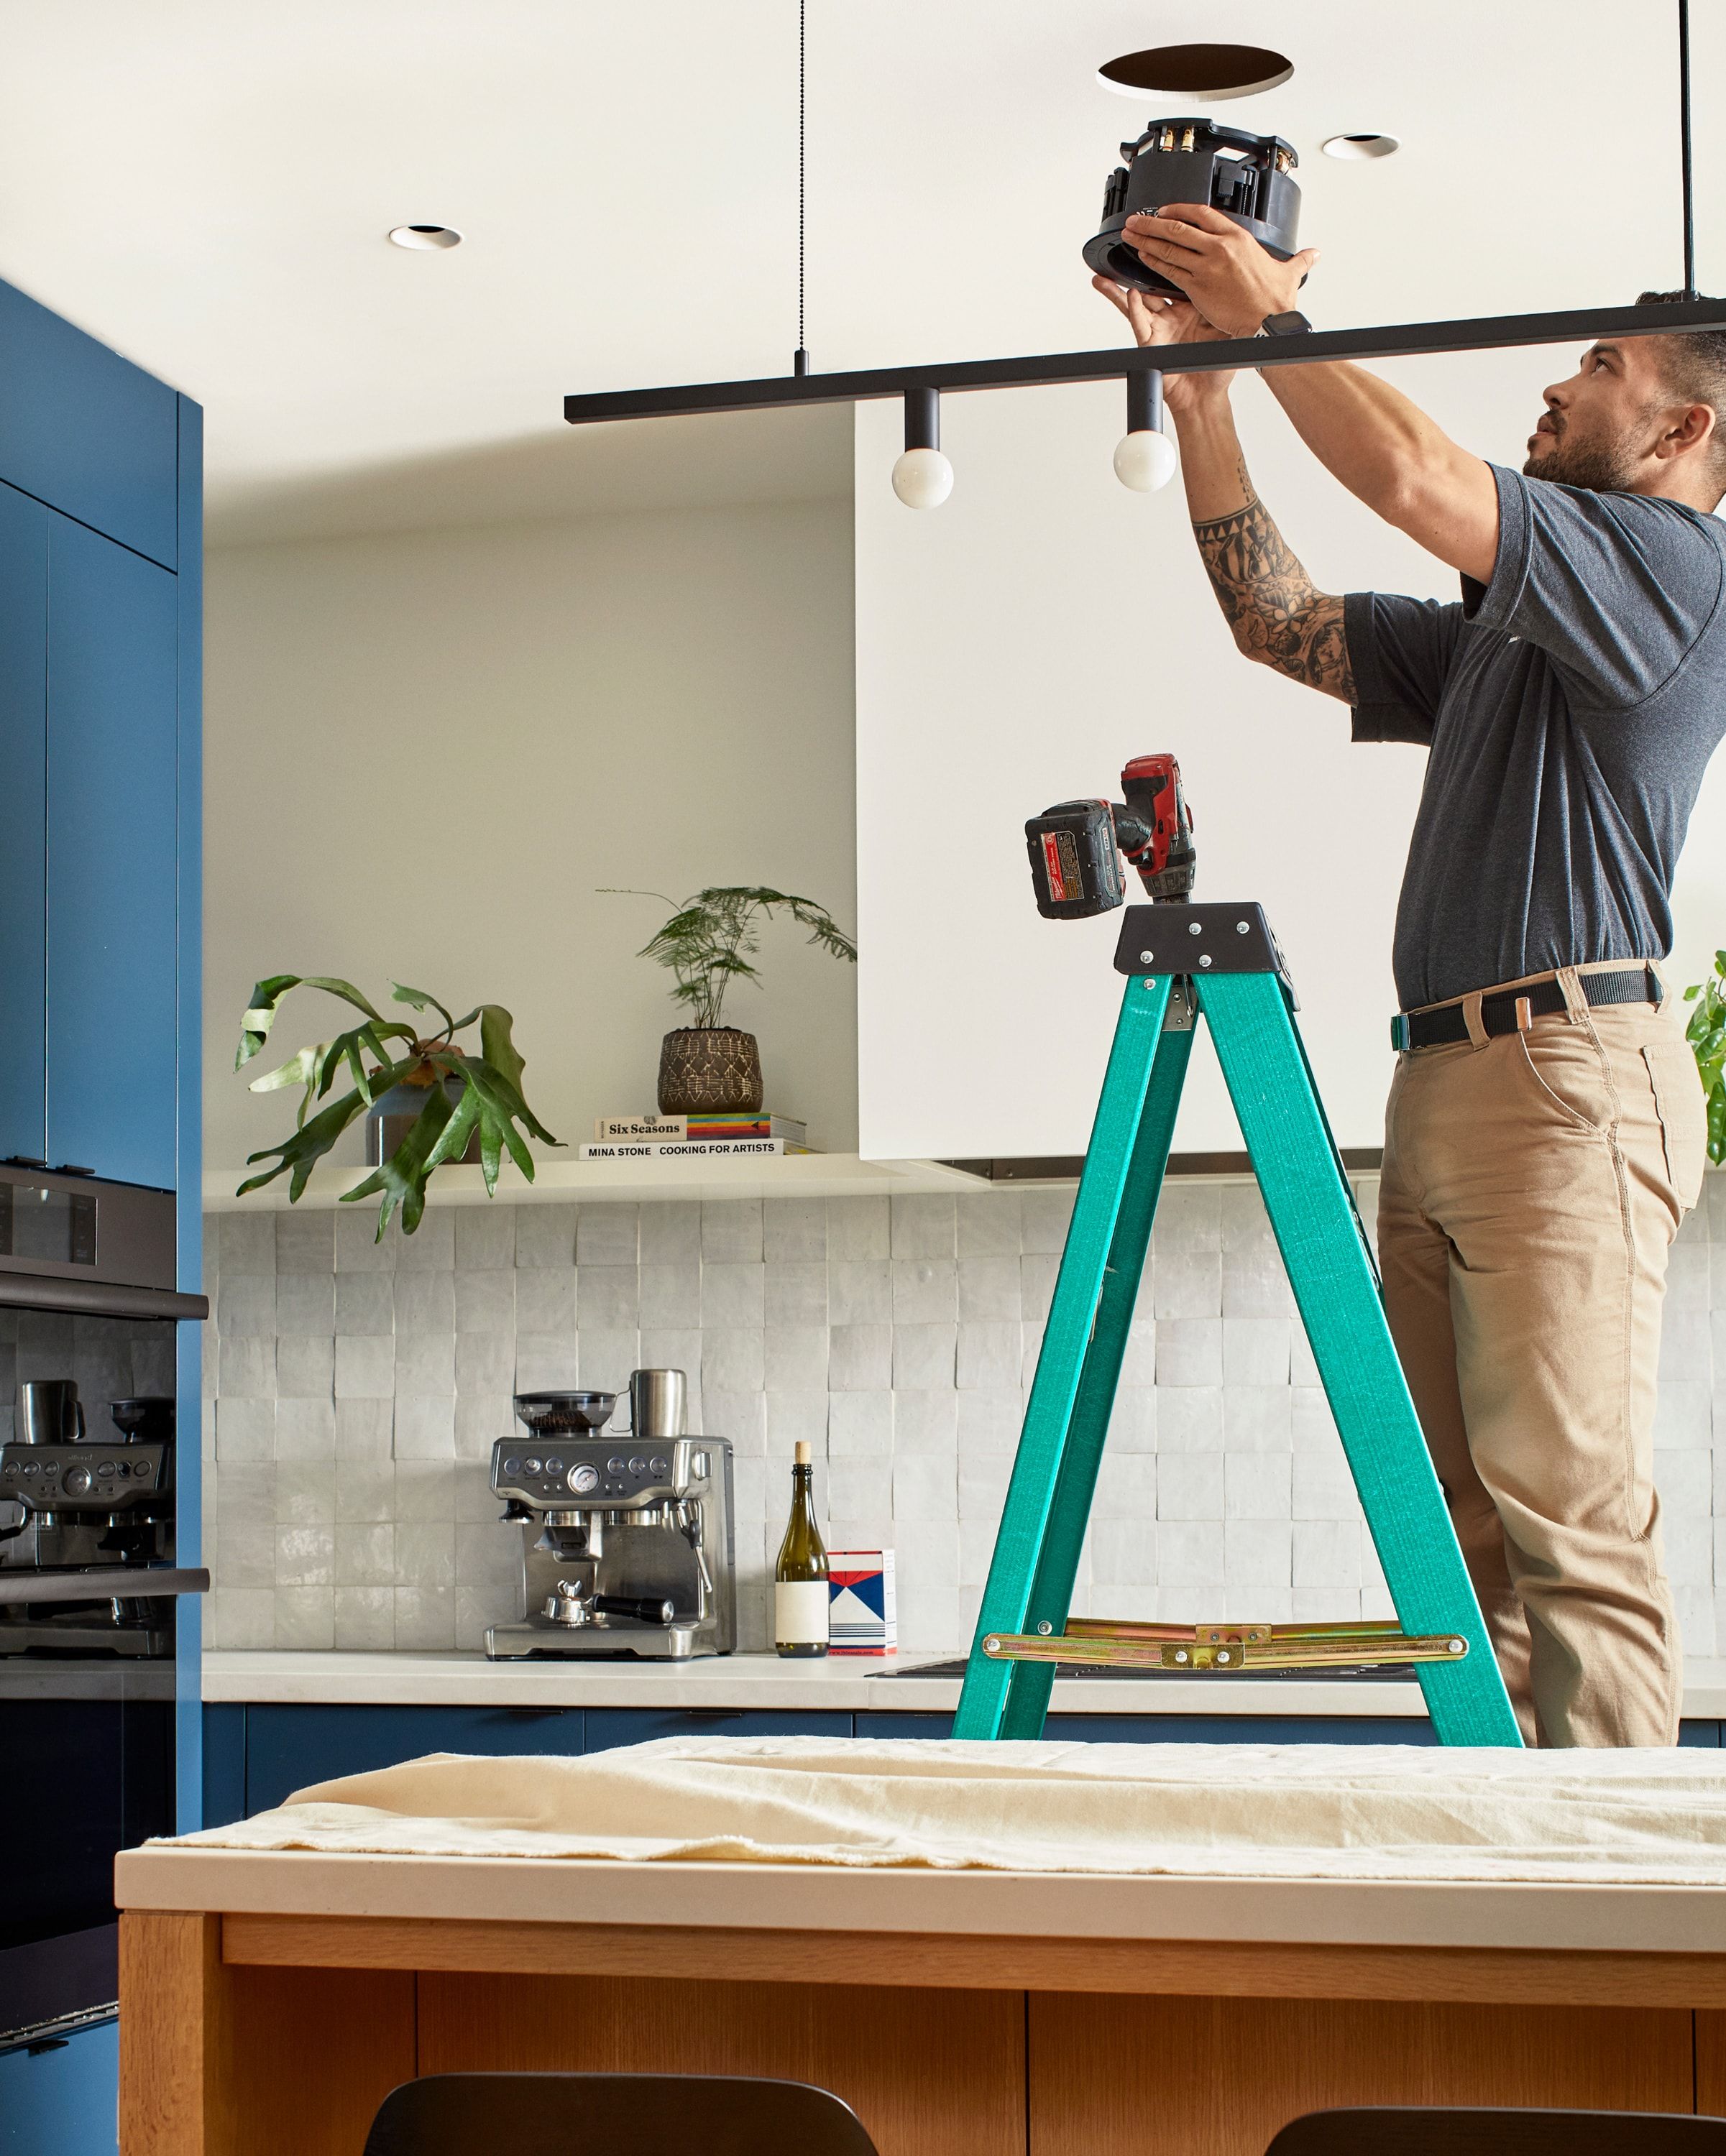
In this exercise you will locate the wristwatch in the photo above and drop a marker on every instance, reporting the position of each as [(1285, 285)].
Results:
[(1285, 325)]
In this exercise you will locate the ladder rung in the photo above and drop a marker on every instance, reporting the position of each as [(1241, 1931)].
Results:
[(1341, 1648)]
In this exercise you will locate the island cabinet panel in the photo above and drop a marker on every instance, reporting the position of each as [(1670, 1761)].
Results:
[(930, 2073), (1102, 2066), (1711, 2062), (250, 2061)]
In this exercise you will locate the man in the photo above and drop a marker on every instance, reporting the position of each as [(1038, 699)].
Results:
[(1545, 1132)]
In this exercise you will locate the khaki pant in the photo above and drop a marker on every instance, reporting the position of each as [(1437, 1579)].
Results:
[(1533, 1184)]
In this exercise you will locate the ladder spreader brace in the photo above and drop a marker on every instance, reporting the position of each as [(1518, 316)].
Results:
[(1222, 961)]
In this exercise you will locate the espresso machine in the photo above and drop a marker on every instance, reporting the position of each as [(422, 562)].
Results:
[(78, 1505), (628, 1542)]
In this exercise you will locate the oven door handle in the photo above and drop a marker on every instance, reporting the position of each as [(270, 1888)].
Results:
[(132, 1582)]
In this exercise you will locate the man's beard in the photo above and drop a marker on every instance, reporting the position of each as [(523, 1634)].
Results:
[(1601, 467)]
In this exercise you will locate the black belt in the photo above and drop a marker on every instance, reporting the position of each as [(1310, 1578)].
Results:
[(1436, 1029)]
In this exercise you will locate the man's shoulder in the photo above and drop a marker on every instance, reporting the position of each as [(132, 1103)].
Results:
[(1632, 513)]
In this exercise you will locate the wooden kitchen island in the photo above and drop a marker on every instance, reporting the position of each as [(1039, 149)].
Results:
[(269, 2001)]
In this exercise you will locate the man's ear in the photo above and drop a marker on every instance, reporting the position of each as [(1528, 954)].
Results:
[(1691, 431)]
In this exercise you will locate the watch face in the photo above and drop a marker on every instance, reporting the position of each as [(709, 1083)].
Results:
[(1286, 325)]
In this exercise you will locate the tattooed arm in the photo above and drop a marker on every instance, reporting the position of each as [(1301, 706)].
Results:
[(1267, 598)]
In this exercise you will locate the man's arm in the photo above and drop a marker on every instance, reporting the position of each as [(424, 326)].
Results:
[(1381, 446), (1268, 600)]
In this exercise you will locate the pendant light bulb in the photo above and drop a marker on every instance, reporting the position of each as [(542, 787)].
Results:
[(922, 478), (1145, 460), (1144, 455)]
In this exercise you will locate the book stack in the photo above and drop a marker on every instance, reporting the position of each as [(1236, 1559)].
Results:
[(862, 1609), (693, 1136)]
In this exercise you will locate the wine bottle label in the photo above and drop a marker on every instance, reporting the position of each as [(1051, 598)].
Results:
[(799, 1612)]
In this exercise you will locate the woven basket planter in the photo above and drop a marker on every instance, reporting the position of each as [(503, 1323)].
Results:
[(703, 1067)]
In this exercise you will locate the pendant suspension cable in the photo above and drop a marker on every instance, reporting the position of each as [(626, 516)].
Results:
[(800, 358), (1684, 149)]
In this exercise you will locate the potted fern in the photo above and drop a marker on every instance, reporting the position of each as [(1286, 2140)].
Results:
[(1707, 1035), (706, 944), (453, 1094)]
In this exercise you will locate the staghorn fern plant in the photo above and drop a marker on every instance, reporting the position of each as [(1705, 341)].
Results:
[(710, 939), (465, 1093), (1707, 1035)]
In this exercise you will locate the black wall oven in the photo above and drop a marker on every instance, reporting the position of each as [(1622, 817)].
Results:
[(91, 1425)]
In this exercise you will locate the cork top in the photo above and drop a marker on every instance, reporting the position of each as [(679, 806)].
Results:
[(801, 1454)]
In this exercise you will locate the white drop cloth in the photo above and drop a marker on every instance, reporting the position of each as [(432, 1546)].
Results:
[(1307, 1811)]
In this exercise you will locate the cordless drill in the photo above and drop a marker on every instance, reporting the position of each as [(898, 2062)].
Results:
[(1075, 847)]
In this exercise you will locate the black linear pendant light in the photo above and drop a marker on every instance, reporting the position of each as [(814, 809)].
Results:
[(922, 477)]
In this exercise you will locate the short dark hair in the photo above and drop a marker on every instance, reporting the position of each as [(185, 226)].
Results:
[(1694, 363)]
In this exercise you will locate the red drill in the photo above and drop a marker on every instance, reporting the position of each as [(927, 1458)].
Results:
[(1075, 846)]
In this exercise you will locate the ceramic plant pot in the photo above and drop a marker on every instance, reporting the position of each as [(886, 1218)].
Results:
[(703, 1067), (392, 1115)]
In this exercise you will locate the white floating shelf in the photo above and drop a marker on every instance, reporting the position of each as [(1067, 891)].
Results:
[(785, 1175)]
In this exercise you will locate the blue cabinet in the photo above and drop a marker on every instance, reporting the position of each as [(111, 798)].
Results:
[(23, 826), (62, 2099), (112, 823), (85, 431), (608, 1726), (90, 779), (289, 1748)]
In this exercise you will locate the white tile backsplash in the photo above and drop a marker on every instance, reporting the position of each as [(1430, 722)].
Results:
[(358, 1388)]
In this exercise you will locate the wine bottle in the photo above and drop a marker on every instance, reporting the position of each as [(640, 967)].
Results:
[(800, 1577)]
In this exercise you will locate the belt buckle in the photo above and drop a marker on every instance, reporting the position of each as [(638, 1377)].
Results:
[(1400, 1039)]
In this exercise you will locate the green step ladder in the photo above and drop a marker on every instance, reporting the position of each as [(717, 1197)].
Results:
[(1222, 962)]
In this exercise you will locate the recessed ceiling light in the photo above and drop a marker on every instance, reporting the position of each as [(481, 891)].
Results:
[(1212, 71), (1360, 146), (427, 237)]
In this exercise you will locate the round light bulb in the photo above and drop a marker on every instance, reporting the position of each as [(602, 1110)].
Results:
[(1144, 460), (922, 479)]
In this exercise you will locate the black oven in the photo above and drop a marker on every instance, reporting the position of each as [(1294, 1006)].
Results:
[(90, 1425)]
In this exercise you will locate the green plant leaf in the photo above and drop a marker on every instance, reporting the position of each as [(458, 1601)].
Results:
[(402, 1178), (267, 997), (496, 1045), (300, 1154), (301, 1071), (420, 999), (452, 1139)]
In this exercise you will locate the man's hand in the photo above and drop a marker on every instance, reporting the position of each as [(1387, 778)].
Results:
[(1159, 318), (1231, 279)]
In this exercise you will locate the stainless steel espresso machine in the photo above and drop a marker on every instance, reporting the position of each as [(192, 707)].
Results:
[(628, 1542), (86, 1521)]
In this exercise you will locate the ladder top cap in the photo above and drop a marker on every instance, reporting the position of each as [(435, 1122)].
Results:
[(1212, 938)]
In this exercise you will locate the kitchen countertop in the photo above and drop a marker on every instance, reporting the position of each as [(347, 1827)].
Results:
[(765, 1682), (1064, 1906)]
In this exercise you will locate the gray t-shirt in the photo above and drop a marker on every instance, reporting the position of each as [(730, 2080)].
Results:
[(1571, 706)]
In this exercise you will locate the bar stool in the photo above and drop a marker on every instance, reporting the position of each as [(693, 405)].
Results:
[(613, 2115), (1412, 2131)]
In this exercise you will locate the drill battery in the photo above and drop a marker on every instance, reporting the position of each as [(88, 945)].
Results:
[(1075, 847)]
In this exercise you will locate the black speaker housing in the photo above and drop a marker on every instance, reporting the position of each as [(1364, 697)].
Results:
[(1248, 177)]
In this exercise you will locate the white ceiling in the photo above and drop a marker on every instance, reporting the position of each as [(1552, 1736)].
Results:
[(207, 185)]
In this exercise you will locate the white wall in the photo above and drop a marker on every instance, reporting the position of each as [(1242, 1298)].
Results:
[(1015, 647), (426, 750)]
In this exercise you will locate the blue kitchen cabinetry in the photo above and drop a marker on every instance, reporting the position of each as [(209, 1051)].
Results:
[(98, 759), (86, 431), (23, 837), (256, 1756), (62, 2096), (113, 780)]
